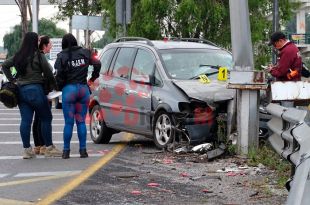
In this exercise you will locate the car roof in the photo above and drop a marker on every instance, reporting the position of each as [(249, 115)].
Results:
[(170, 44), (181, 44)]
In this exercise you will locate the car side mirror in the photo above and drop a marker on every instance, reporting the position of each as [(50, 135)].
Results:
[(144, 79)]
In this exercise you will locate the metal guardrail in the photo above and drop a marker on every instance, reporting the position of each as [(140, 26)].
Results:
[(299, 38), (291, 140)]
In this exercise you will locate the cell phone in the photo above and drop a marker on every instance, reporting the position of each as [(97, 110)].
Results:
[(264, 67)]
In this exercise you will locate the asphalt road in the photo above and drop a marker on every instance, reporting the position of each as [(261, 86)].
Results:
[(128, 170), (28, 181)]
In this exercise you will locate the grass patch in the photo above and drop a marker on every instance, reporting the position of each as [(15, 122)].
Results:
[(269, 158)]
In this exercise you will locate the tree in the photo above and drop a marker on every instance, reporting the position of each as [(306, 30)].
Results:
[(22, 5), (77, 7), (12, 40), (207, 19)]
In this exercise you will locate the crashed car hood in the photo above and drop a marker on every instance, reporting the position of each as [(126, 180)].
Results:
[(210, 92)]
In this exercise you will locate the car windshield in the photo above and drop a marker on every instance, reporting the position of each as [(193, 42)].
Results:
[(190, 63)]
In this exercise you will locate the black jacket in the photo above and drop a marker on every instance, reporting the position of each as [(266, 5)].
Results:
[(73, 69), (35, 68)]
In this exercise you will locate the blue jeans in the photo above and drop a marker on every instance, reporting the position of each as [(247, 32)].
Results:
[(32, 98), (75, 99)]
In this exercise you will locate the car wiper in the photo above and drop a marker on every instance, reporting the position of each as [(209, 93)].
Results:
[(211, 66), (206, 73)]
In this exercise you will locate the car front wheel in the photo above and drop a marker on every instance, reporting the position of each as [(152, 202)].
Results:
[(163, 131), (99, 132)]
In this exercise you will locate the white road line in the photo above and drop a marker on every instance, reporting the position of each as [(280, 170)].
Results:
[(19, 124), (4, 175), (7, 118), (31, 142), (7, 113), (43, 174), (42, 157), (56, 132)]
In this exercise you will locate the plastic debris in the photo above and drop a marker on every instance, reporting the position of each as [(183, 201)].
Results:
[(202, 148), (153, 184), (205, 177), (136, 192), (206, 191), (181, 150), (167, 161), (184, 174)]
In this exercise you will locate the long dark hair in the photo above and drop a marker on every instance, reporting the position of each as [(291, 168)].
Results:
[(68, 41), (26, 52), (43, 40)]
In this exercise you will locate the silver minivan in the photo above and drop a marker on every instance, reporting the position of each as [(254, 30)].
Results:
[(167, 90)]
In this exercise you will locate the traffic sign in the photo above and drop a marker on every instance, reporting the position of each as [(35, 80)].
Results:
[(56, 48)]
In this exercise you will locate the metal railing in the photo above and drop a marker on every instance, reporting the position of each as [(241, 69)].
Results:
[(299, 38), (291, 140)]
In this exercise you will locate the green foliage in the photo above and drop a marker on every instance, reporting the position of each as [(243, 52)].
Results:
[(12, 40), (77, 7), (269, 158)]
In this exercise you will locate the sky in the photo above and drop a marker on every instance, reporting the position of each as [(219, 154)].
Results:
[(10, 16)]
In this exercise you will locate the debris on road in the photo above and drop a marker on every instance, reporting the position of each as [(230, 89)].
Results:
[(136, 192), (241, 170), (205, 177), (202, 148), (153, 184)]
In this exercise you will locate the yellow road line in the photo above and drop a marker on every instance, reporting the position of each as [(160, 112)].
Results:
[(26, 181), (62, 191), (4, 201)]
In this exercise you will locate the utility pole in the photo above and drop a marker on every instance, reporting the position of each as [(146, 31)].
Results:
[(35, 16), (275, 25), (243, 77)]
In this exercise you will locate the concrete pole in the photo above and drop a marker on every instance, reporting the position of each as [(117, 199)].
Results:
[(275, 24), (35, 16), (247, 100)]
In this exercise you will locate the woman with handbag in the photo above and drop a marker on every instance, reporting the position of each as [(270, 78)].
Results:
[(45, 46), (31, 65), (72, 68)]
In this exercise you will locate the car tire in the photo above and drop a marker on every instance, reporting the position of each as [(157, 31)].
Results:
[(163, 129), (99, 132)]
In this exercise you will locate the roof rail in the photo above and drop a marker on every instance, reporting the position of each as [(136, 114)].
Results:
[(198, 40), (123, 39)]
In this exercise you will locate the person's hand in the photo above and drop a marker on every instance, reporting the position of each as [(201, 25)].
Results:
[(90, 84), (269, 68)]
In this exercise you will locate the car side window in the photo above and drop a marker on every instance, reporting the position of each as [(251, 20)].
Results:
[(123, 62), (157, 79), (106, 60), (143, 66)]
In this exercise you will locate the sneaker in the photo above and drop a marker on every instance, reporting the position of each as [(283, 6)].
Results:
[(36, 149), (42, 150), (28, 153), (66, 154), (83, 153), (52, 151)]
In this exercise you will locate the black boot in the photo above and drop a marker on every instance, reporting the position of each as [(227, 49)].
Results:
[(83, 153), (66, 154)]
